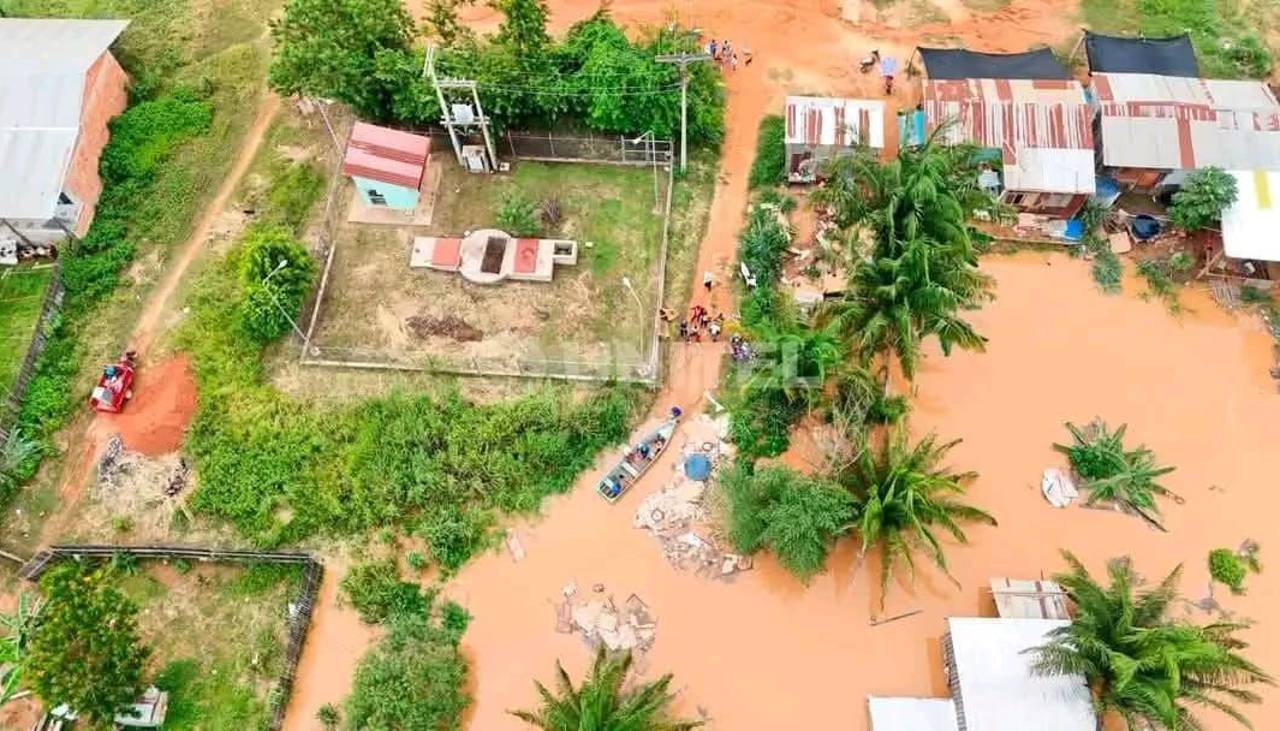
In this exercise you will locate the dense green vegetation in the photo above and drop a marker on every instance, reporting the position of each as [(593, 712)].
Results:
[(194, 84), (1113, 474), (770, 165), (14, 643), (1204, 195), (366, 54), (375, 590), (794, 517), (1229, 36), (21, 294), (84, 649), (1142, 664), (1230, 568), (601, 703), (276, 272)]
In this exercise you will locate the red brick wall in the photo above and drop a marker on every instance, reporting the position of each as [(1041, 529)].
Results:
[(105, 96)]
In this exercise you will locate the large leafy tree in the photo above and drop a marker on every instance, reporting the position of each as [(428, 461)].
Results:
[(601, 704), (276, 271), (359, 52), (903, 498), (919, 273), (1204, 195), (796, 517), (1141, 665), (84, 649)]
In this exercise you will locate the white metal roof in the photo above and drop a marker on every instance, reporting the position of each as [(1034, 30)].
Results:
[(816, 120), (1051, 170), (912, 714), (42, 81), (1250, 225), (998, 690)]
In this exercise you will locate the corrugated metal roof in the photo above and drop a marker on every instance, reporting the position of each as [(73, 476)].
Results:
[(998, 691), (42, 78), (1042, 128), (1249, 226), (1174, 123), (812, 120), (911, 714), (386, 155)]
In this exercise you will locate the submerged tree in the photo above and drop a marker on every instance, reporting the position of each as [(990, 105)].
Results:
[(601, 704), (84, 649), (902, 497), (920, 271), (1141, 665), (1112, 473)]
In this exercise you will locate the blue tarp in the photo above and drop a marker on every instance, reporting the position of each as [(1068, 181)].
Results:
[(697, 466)]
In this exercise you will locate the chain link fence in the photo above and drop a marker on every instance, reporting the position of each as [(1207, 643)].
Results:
[(589, 148)]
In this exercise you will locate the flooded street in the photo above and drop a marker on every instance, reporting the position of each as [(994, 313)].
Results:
[(765, 652)]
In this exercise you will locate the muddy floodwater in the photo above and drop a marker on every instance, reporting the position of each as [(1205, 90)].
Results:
[(765, 652)]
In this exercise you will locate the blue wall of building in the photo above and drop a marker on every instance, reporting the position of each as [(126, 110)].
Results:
[(400, 198)]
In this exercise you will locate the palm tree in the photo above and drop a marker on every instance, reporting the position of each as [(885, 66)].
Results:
[(1141, 665), (798, 356), (13, 646), (1112, 473), (920, 270), (902, 497), (600, 704), (15, 454)]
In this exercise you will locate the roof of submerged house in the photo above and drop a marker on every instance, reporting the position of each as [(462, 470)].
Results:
[(43, 67), (813, 120), (1171, 56), (386, 155), (959, 63), (911, 714), (1174, 123), (1249, 225), (1040, 126)]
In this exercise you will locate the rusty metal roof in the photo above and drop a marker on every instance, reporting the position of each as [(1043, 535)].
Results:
[(813, 120), (386, 155), (1180, 123), (1041, 127)]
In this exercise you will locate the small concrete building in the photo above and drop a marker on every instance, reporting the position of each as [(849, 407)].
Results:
[(820, 128), (59, 87), (386, 165), (1028, 115)]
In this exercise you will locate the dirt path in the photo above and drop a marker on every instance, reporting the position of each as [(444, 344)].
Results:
[(156, 419)]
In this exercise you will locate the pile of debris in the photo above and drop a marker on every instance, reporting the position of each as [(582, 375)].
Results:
[(448, 326), (600, 621), (678, 516), (147, 491)]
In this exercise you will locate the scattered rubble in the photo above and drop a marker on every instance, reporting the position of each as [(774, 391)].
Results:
[(145, 491), (602, 622), (677, 515)]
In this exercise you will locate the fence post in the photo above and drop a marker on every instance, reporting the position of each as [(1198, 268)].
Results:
[(552, 143), (511, 143)]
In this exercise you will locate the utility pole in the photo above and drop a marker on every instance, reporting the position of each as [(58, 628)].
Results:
[(683, 60), (452, 122)]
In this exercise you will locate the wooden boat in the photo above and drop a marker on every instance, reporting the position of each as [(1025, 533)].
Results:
[(636, 462)]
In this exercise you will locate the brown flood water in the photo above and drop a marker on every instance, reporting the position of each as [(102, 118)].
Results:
[(765, 652)]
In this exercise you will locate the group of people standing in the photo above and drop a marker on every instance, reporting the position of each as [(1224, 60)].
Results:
[(723, 53), (700, 321)]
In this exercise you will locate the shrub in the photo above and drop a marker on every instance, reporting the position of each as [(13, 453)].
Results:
[(416, 560), (375, 590), (518, 216), (1202, 198), (797, 518), (329, 717), (453, 535), (147, 133), (1230, 568), (276, 272), (770, 166), (1113, 473), (414, 679), (16, 458)]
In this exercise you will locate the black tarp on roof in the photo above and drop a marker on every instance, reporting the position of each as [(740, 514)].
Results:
[(1171, 56), (957, 63)]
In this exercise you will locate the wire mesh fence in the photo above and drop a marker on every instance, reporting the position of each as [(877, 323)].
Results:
[(610, 149), (11, 402)]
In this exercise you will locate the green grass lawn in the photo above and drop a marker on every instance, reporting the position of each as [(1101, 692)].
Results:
[(218, 634), (21, 294)]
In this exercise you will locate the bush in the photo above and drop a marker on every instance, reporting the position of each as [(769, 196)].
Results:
[(797, 518), (375, 590), (329, 717), (148, 132), (770, 166), (518, 216), (1204, 195), (276, 272), (1231, 567), (414, 679), (454, 535), (1112, 473)]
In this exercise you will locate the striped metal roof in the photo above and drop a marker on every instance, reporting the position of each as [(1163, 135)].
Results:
[(1041, 127), (43, 63), (1181, 123), (828, 121), (386, 155)]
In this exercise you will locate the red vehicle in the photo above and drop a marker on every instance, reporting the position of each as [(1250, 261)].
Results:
[(115, 385)]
